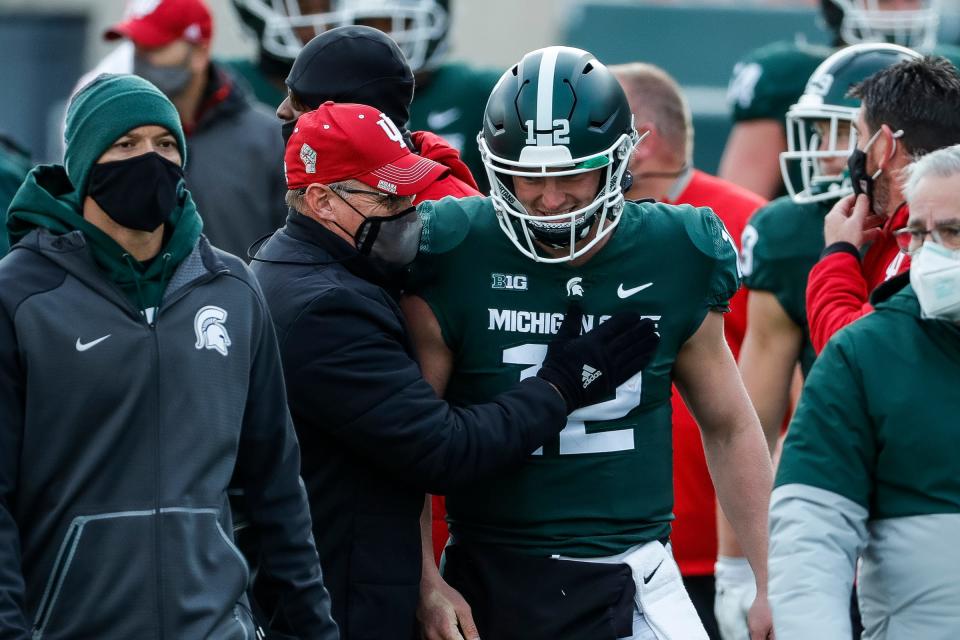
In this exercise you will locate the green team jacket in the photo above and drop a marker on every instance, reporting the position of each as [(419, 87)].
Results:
[(605, 484), (779, 246), (871, 470)]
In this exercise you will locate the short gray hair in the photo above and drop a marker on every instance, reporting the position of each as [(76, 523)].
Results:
[(942, 163)]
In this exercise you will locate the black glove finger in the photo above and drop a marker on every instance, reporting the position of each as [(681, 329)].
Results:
[(572, 321)]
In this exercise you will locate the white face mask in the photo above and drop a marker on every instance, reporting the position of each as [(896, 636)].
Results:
[(935, 276)]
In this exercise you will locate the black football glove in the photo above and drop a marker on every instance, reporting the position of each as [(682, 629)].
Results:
[(588, 368)]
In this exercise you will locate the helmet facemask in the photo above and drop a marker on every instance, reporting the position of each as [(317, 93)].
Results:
[(419, 27), (817, 135), (865, 21), (564, 230)]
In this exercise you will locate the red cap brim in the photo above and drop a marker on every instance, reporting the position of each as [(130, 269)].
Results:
[(141, 33), (405, 176)]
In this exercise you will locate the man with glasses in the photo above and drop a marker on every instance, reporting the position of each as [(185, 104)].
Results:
[(884, 490), (907, 110), (374, 435)]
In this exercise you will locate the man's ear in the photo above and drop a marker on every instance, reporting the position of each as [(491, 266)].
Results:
[(648, 145), (890, 146), (318, 199)]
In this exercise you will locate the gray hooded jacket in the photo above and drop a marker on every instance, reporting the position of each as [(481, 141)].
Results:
[(118, 439)]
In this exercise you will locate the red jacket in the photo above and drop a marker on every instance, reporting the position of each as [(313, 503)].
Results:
[(694, 534), (839, 286), (459, 183)]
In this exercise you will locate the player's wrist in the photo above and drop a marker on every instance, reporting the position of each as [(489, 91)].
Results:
[(733, 570)]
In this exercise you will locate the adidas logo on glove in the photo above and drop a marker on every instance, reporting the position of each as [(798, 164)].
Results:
[(589, 374)]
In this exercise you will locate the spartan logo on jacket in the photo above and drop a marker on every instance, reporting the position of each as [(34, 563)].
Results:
[(211, 334)]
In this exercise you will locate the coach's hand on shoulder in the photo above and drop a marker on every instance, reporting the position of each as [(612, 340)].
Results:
[(588, 368)]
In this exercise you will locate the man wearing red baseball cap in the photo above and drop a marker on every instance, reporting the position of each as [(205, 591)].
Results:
[(234, 145), (373, 434)]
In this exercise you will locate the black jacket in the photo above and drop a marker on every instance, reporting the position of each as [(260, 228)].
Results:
[(373, 433), (118, 439)]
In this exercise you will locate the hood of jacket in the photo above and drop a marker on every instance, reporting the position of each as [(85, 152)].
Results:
[(47, 200)]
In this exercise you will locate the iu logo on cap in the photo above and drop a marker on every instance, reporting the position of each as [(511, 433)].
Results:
[(391, 130)]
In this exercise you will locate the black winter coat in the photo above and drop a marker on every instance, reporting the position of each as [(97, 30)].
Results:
[(374, 436)]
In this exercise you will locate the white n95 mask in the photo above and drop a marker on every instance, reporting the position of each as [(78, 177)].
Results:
[(935, 276)]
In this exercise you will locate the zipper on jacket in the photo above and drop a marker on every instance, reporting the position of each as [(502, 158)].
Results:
[(54, 582), (157, 525)]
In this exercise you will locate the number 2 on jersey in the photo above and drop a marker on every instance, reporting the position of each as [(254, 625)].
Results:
[(574, 438)]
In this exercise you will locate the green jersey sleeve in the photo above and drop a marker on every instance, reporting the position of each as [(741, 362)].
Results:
[(779, 246), (831, 444), (766, 83), (710, 236)]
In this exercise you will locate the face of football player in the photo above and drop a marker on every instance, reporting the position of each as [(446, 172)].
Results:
[(307, 7), (550, 195), (832, 166)]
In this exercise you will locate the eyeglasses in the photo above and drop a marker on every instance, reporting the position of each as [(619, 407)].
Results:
[(910, 239)]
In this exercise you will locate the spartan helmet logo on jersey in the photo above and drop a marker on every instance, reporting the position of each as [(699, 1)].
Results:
[(557, 112), (820, 136), (211, 334), (574, 288), (419, 27), (911, 23)]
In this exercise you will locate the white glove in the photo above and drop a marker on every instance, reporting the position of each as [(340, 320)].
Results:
[(736, 589)]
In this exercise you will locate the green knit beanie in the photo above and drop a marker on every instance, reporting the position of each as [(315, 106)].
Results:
[(104, 110)]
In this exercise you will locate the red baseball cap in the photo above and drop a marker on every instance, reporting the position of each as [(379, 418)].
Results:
[(156, 23), (355, 142)]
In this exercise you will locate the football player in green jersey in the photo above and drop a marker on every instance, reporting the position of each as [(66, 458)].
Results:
[(450, 95), (572, 544), (779, 247), (770, 79)]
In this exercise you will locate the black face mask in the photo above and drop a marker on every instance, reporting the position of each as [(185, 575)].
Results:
[(860, 180), (139, 193), (286, 130), (391, 242)]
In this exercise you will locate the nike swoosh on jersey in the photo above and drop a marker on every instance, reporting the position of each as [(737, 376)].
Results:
[(626, 293), (89, 345), (442, 119)]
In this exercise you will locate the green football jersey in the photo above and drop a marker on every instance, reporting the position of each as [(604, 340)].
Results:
[(770, 79), (605, 484), (779, 246), (451, 105)]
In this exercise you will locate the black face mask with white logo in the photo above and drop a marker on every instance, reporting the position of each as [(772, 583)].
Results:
[(138, 193)]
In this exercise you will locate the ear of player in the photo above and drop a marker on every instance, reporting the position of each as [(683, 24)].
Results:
[(587, 369)]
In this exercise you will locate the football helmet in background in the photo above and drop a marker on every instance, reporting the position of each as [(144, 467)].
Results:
[(858, 21), (819, 131), (282, 27)]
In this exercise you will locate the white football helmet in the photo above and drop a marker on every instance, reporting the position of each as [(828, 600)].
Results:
[(420, 27), (869, 21)]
